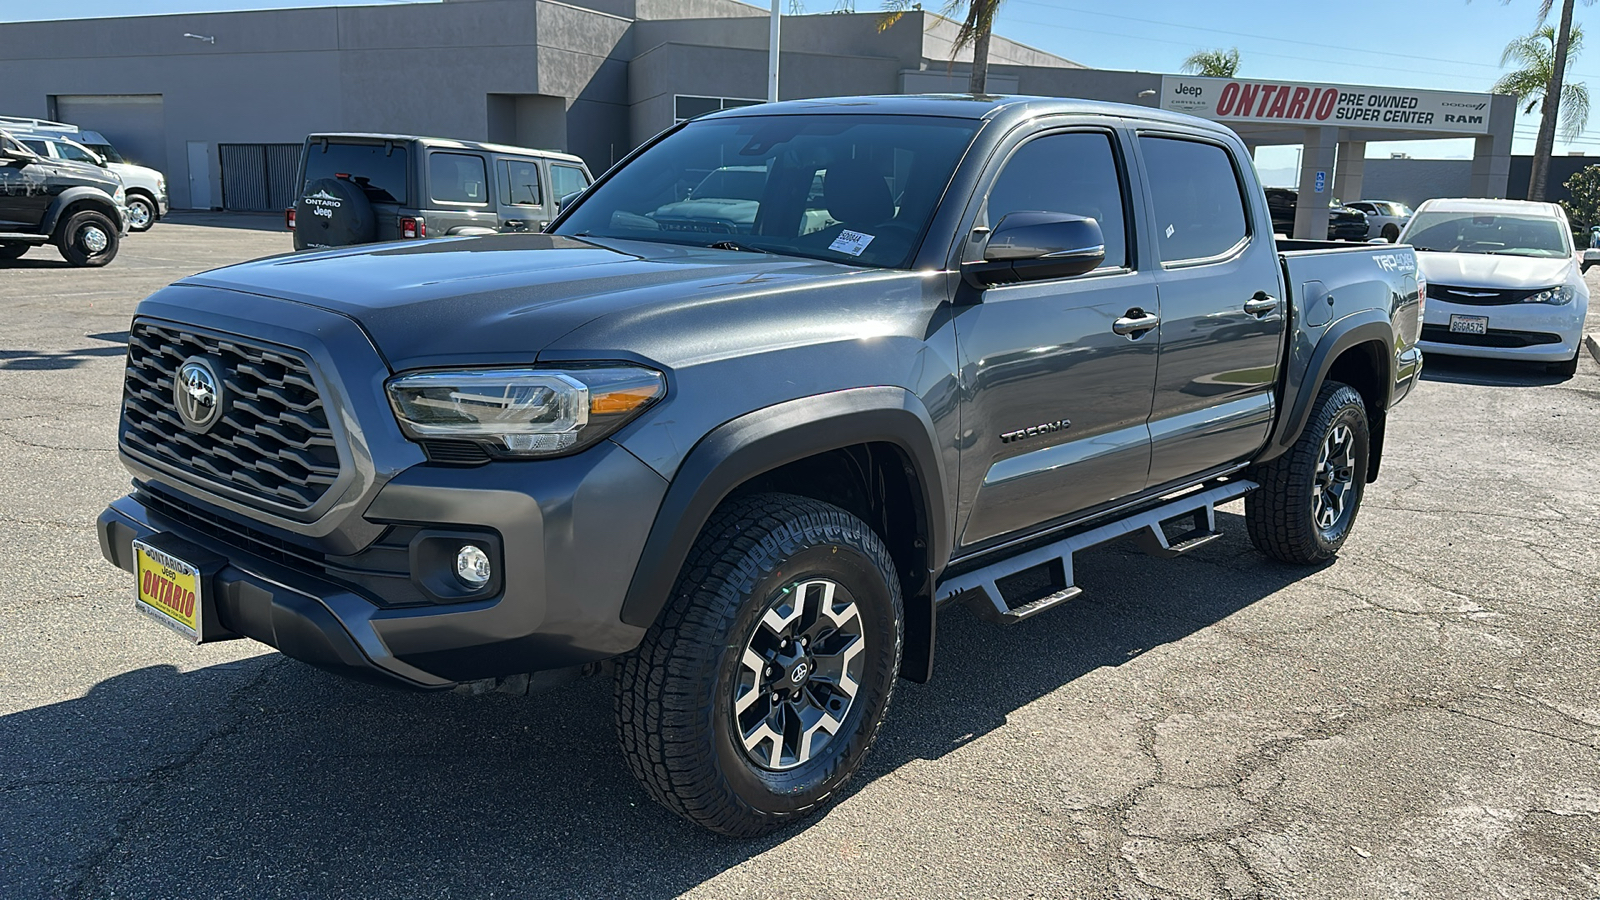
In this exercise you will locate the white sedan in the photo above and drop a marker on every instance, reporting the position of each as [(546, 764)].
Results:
[(1502, 281), (1385, 218)]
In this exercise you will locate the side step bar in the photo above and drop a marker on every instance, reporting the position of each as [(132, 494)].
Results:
[(1041, 578)]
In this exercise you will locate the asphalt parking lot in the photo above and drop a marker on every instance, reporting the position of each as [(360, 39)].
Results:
[(1418, 719)]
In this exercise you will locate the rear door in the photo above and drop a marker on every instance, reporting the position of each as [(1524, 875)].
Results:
[(566, 179), (458, 187), (1222, 316), (523, 198), (1055, 400), (381, 167)]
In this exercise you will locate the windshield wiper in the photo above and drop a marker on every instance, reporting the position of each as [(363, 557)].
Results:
[(733, 245)]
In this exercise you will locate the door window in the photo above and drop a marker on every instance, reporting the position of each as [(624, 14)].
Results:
[(566, 180), (1074, 173), (520, 182), (1200, 208), (39, 147), (458, 178), (77, 154)]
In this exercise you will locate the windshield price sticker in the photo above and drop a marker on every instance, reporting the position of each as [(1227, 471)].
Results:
[(851, 242)]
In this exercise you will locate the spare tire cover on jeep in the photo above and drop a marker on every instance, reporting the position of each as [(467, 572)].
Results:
[(333, 212)]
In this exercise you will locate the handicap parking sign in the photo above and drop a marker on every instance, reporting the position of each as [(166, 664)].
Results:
[(1322, 181)]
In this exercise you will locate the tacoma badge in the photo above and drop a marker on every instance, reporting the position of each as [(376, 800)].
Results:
[(1036, 430)]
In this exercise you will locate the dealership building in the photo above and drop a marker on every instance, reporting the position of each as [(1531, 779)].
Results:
[(221, 101)]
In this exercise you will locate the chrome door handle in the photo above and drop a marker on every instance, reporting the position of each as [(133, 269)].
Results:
[(1135, 323), (513, 223), (1261, 304)]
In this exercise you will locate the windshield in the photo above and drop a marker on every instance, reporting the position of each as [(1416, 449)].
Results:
[(1498, 234), (855, 189), (380, 169), (107, 152)]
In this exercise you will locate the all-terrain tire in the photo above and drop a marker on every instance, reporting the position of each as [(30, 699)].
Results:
[(1282, 515), (13, 251), (683, 699), (88, 238), (333, 212)]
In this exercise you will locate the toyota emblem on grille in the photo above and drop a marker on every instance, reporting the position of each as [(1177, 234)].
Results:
[(197, 393)]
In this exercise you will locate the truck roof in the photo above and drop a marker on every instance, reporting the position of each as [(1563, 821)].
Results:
[(965, 106), (444, 142), (1485, 205)]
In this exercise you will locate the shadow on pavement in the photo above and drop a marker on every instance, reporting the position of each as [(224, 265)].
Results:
[(267, 777), (58, 359), (1488, 372), (262, 221)]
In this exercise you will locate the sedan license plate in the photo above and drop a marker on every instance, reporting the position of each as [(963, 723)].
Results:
[(1469, 324), (167, 589)]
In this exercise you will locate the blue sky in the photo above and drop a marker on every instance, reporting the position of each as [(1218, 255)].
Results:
[(1443, 44)]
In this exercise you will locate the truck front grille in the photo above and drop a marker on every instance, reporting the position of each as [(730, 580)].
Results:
[(272, 442)]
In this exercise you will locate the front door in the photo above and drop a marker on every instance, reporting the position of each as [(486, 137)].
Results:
[(1222, 319), (25, 191), (1055, 401)]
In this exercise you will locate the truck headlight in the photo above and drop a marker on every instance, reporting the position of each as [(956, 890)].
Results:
[(524, 412), (1556, 296)]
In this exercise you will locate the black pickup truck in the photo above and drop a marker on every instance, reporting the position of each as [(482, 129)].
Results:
[(740, 465)]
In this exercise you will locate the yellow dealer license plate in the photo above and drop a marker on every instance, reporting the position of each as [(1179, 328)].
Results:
[(168, 590)]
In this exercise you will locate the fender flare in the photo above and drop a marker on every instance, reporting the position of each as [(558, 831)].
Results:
[(73, 195), (768, 438), (1366, 326)]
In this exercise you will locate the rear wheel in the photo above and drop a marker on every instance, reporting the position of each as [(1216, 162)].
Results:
[(758, 692), (141, 212), (1391, 232), (13, 251), (1309, 497), (88, 239)]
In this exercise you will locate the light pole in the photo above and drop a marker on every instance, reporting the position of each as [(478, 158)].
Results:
[(772, 56)]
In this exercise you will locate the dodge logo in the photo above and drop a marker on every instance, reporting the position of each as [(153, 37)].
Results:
[(197, 393)]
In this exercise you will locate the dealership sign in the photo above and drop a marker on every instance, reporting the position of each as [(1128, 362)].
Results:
[(1342, 105)]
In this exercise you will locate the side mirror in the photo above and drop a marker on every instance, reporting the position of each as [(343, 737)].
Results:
[(564, 200), (1033, 246)]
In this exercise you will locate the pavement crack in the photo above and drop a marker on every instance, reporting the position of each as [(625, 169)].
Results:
[(84, 886)]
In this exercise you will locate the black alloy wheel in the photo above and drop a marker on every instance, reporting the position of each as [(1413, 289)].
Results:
[(1309, 496), (762, 685)]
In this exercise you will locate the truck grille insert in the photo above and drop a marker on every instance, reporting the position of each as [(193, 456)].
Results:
[(272, 441)]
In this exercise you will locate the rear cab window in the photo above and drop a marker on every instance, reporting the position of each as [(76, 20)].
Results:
[(458, 179), (379, 168), (1198, 197)]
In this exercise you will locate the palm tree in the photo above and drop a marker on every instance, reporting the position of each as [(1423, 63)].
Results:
[(1535, 55), (977, 25), (1213, 63), (1545, 145)]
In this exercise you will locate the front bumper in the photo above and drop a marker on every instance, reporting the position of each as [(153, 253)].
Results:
[(571, 530), (1541, 333)]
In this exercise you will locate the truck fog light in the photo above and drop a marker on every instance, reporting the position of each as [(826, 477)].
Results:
[(472, 566)]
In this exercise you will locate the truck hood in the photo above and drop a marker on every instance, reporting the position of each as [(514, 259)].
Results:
[(501, 299), (1503, 272)]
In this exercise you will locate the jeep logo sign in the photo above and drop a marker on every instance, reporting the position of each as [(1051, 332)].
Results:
[(1402, 109)]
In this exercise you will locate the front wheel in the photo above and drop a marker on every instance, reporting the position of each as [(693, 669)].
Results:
[(761, 687), (88, 239), (1391, 232), (141, 212), (1309, 496)]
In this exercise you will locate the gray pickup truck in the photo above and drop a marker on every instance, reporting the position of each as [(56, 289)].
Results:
[(741, 466)]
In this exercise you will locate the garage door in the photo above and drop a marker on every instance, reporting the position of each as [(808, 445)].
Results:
[(134, 123), (259, 177)]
